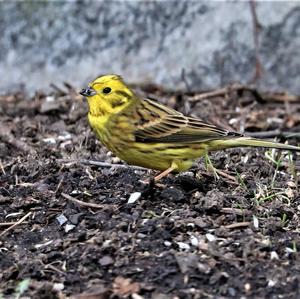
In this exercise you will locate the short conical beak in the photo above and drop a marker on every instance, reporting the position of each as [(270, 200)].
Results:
[(87, 92)]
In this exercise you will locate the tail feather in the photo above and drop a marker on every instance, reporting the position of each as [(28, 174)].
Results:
[(248, 141)]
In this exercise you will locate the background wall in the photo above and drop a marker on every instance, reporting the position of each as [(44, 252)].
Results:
[(44, 42)]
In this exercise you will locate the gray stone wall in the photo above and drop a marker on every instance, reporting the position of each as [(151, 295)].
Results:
[(55, 41)]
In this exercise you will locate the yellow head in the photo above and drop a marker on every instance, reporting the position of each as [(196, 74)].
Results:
[(107, 95)]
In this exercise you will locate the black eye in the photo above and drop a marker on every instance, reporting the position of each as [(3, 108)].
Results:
[(106, 90)]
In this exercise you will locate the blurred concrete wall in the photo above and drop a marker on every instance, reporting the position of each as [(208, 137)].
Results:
[(44, 42)]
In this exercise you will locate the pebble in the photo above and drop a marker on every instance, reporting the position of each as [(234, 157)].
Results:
[(255, 222), (74, 219), (194, 241), (231, 292), (64, 137), (62, 219), (69, 227), (106, 260), (292, 184), (134, 197), (271, 283), (183, 246), (49, 140), (187, 173), (210, 237), (274, 255), (115, 160), (247, 287), (57, 287), (167, 243)]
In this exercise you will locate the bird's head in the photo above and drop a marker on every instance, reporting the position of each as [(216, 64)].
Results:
[(107, 95)]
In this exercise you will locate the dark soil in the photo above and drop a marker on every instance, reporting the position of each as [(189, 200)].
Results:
[(190, 236)]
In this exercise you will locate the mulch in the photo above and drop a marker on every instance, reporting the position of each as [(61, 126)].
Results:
[(72, 228)]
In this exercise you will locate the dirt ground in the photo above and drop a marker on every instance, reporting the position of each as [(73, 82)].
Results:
[(73, 229)]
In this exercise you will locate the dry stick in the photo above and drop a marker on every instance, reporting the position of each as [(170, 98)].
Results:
[(51, 267), (238, 224), (215, 93), (58, 89), (261, 96), (256, 31), (86, 204), (10, 223), (103, 164), (235, 211), (228, 176), (2, 168), (59, 183), (280, 97), (15, 224)]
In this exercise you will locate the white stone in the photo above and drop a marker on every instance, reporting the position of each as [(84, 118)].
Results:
[(134, 197)]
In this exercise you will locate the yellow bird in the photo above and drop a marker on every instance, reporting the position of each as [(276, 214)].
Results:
[(146, 133)]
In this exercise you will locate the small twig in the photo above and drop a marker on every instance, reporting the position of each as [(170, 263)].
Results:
[(10, 223), (238, 224), (256, 31), (53, 268), (183, 77), (86, 204), (69, 86), (228, 176), (59, 184), (279, 97), (2, 168), (260, 96), (15, 224), (235, 211), (103, 164), (216, 93), (58, 89)]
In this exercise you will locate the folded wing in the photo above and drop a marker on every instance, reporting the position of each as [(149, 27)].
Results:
[(160, 124)]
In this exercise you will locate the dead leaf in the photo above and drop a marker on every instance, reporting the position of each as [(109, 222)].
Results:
[(99, 293), (124, 287)]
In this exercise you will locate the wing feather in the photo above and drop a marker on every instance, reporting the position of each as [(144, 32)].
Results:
[(158, 123)]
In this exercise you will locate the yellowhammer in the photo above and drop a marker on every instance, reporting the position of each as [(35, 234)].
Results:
[(146, 133)]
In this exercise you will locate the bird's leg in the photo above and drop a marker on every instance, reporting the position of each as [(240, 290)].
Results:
[(173, 166), (166, 172), (151, 180)]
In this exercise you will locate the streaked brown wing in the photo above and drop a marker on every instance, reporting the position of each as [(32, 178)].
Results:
[(158, 123)]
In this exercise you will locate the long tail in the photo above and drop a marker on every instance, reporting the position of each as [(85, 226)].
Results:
[(248, 141)]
